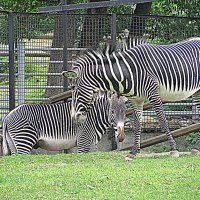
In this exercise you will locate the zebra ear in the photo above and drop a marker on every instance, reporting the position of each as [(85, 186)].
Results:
[(70, 74), (125, 99), (109, 95), (101, 93)]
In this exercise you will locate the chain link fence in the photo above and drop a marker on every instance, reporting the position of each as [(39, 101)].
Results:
[(36, 47)]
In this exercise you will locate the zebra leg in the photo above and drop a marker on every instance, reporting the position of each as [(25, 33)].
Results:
[(156, 103), (11, 144), (137, 118), (84, 142), (25, 143), (25, 138), (196, 96)]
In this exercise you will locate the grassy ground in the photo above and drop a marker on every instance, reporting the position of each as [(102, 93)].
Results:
[(99, 176)]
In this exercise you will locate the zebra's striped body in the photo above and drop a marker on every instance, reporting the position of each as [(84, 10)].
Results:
[(51, 127), (145, 72)]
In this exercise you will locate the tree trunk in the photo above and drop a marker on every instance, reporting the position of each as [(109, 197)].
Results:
[(138, 23), (93, 27), (57, 55)]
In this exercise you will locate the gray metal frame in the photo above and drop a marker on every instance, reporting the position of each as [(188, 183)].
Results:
[(39, 54), (65, 59), (11, 63), (101, 4)]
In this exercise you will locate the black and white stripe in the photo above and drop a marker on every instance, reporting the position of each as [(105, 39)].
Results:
[(51, 127), (144, 72)]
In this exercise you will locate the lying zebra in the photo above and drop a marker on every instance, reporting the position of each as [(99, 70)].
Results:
[(50, 126)]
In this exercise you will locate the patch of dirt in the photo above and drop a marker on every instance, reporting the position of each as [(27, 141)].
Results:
[(160, 154)]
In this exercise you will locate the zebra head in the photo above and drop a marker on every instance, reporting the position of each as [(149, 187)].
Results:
[(82, 96), (88, 80), (79, 108), (117, 115)]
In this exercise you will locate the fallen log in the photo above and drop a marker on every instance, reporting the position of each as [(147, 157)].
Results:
[(60, 97), (146, 106), (162, 138), (65, 95), (1, 134)]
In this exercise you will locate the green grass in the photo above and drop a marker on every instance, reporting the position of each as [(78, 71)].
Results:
[(99, 176)]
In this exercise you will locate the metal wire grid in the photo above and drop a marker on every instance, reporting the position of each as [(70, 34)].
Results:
[(159, 29), (33, 37), (164, 30), (40, 45), (4, 66)]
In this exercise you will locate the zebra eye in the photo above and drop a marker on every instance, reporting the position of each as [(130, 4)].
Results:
[(112, 112), (72, 87)]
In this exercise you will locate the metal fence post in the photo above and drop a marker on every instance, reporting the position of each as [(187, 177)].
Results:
[(65, 81), (21, 71), (194, 110), (11, 61), (113, 38), (65, 57), (113, 30)]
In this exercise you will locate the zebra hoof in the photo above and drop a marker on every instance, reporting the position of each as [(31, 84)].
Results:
[(174, 153), (195, 152), (130, 157)]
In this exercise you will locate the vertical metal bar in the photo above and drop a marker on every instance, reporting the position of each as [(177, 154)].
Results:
[(65, 57), (194, 110), (113, 38), (11, 62), (65, 81), (21, 71), (113, 31)]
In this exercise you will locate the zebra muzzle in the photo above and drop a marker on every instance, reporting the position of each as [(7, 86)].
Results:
[(120, 134)]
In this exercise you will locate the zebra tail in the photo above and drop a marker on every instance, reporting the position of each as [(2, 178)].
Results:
[(6, 150)]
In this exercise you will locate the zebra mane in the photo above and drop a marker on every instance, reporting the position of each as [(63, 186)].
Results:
[(124, 41), (106, 48), (95, 53)]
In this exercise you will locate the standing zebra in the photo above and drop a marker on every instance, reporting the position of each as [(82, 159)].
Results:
[(145, 72), (51, 127)]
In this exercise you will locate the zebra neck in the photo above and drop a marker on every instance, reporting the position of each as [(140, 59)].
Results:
[(119, 73)]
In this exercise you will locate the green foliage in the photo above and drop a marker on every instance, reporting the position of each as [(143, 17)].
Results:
[(176, 8), (159, 148), (99, 176), (30, 26), (191, 138), (161, 7), (21, 6), (126, 9), (4, 66)]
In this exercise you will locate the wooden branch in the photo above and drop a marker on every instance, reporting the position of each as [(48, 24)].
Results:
[(162, 138), (145, 107), (65, 95), (60, 97)]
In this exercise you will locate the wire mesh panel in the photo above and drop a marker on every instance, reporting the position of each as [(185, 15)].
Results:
[(164, 30), (159, 29), (39, 52), (45, 44), (92, 30), (39, 44), (4, 65)]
